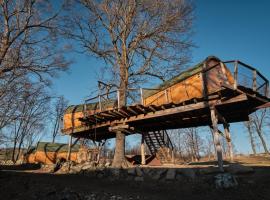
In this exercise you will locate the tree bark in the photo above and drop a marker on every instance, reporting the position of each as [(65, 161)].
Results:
[(229, 140), (119, 154), (216, 139), (251, 139), (263, 142)]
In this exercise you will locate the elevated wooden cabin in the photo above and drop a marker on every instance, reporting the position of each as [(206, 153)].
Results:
[(74, 113), (181, 102), (191, 84)]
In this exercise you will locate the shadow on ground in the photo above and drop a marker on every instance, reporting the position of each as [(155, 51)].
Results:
[(16, 184)]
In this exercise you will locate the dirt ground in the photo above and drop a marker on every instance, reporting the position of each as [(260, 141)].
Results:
[(17, 183)]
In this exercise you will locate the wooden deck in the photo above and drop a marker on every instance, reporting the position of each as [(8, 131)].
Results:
[(233, 104)]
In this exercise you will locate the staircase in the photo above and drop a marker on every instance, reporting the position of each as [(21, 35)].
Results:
[(160, 145)]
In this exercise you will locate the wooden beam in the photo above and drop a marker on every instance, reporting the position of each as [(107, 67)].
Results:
[(132, 110), (216, 138), (116, 128), (235, 75)]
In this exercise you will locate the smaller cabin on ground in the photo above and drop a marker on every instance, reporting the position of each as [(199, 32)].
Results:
[(50, 153)]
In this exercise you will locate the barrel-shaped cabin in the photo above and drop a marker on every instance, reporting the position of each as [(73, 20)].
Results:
[(74, 113), (202, 80)]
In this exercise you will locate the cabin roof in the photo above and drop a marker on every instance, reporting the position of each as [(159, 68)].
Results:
[(56, 147), (178, 78)]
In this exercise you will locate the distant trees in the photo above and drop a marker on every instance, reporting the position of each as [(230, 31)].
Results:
[(30, 55), (30, 120), (255, 127), (58, 109), (189, 144), (136, 40)]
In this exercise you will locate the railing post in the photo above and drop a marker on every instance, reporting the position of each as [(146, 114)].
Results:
[(235, 74), (118, 99), (166, 96), (99, 101), (141, 92), (254, 83), (84, 109), (267, 90)]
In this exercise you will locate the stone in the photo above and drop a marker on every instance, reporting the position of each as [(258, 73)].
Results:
[(209, 170), (76, 169), (170, 175), (107, 164), (187, 172), (158, 173), (131, 171), (139, 171), (138, 178), (225, 181), (239, 169), (179, 177)]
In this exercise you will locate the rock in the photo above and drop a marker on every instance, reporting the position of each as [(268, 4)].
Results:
[(179, 177), (138, 178), (115, 172), (209, 170), (75, 169), (139, 171), (146, 170), (87, 165), (225, 181), (131, 171), (170, 175), (158, 173), (187, 172), (107, 164), (239, 169)]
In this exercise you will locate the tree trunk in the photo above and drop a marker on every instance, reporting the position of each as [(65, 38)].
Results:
[(229, 140), (263, 142), (251, 139), (119, 154), (216, 139)]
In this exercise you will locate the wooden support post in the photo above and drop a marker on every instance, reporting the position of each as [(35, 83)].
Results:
[(267, 90), (216, 138), (254, 85), (99, 101), (118, 98), (141, 92), (235, 74), (229, 140), (142, 150), (69, 148), (166, 96)]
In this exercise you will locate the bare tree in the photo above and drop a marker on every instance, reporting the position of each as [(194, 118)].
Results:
[(136, 39), (59, 107), (31, 118), (258, 119), (251, 134), (28, 39), (30, 51), (193, 143)]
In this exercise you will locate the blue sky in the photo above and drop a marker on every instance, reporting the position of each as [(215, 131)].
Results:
[(227, 29)]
